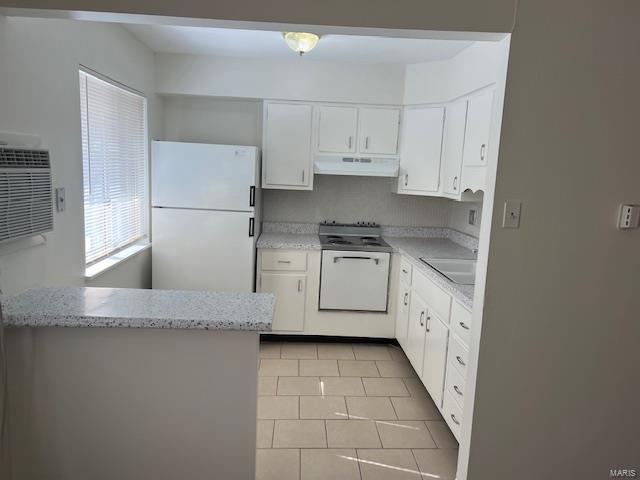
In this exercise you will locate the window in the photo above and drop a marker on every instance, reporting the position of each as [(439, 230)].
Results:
[(114, 166)]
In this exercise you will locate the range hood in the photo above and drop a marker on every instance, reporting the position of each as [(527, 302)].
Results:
[(359, 166)]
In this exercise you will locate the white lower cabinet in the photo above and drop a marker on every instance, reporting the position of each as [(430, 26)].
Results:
[(289, 290), (402, 316), (435, 339), (284, 274), (435, 357), (416, 331), (452, 413)]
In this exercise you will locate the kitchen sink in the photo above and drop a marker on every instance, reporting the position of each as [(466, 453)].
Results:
[(460, 271)]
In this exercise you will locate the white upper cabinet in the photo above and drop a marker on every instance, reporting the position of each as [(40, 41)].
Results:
[(420, 150), (357, 130), (476, 140), (453, 147), (287, 152), (337, 129), (378, 130)]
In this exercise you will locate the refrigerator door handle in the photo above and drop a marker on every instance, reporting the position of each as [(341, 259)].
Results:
[(251, 226), (252, 196)]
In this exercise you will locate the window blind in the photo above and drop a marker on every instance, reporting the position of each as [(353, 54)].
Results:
[(114, 165)]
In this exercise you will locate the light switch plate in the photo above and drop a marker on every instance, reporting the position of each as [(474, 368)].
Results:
[(511, 217)]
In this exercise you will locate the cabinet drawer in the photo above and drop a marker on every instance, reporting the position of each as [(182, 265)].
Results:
[(455, 384), (458, 355), (436, 298), (283, 260), (452, 415), (405, 271), (461, 322)]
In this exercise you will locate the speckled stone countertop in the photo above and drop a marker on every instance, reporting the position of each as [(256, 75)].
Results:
[(413, 242), (414, 248), (292, 241), (138, 308)]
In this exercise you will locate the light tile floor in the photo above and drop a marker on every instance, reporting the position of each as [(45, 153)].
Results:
[(347, 412)]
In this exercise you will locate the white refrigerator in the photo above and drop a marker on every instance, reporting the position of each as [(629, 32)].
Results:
[(205, 216)]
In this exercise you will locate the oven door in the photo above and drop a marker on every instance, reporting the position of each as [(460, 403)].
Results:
[(354, 280)]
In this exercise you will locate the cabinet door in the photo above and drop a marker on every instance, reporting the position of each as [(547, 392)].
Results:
[(435, 357), (337, 129), (453, 146), (476, 141), (420, 149), (402, 315), (416, 331), (289, 290), (379, 130), (287, 146)]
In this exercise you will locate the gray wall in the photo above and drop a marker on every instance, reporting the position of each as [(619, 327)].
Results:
[(350, 199), (459, 217), (212, 120)]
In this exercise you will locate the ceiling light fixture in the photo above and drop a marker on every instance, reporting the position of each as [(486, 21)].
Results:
[(300, 42)]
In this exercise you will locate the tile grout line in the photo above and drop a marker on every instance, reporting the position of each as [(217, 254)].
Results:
[(326, 434), (273, 433), (358, 462), (413, 454), (394, 409)]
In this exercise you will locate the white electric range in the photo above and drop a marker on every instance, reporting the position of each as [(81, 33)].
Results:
[(355, 267)]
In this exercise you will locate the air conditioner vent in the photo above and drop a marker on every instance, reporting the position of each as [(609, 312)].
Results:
[(26, 204), (23, 158)]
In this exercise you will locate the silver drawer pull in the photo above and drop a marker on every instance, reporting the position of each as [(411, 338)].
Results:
[(429, 323), (421, 318), (455, 420), (299, 285), (464, 325), (335, 259), (404, 271), (460, 361), (455, 387), (406, 294), (284, 261)]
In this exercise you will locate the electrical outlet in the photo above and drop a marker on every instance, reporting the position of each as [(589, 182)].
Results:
[(629, 216), (472, 216), (511, 217), (61, 202)]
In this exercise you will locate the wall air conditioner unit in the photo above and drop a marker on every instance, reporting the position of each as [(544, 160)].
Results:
[(26, 202)]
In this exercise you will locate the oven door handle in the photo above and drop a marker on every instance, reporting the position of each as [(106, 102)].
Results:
[(377, 260)]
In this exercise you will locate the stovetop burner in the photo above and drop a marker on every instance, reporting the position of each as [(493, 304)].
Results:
[(358, 237), (339, 241)]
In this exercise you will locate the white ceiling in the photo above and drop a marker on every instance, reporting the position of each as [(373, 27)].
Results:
[(266, 44)]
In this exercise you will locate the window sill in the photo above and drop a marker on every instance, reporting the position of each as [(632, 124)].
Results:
[(114, 260)]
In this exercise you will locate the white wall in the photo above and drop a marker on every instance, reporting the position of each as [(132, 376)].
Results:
[(213, 120), (473, 68), (295, 79), (39, 95)]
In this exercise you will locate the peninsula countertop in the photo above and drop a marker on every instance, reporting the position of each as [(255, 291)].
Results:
[(138, 308)]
